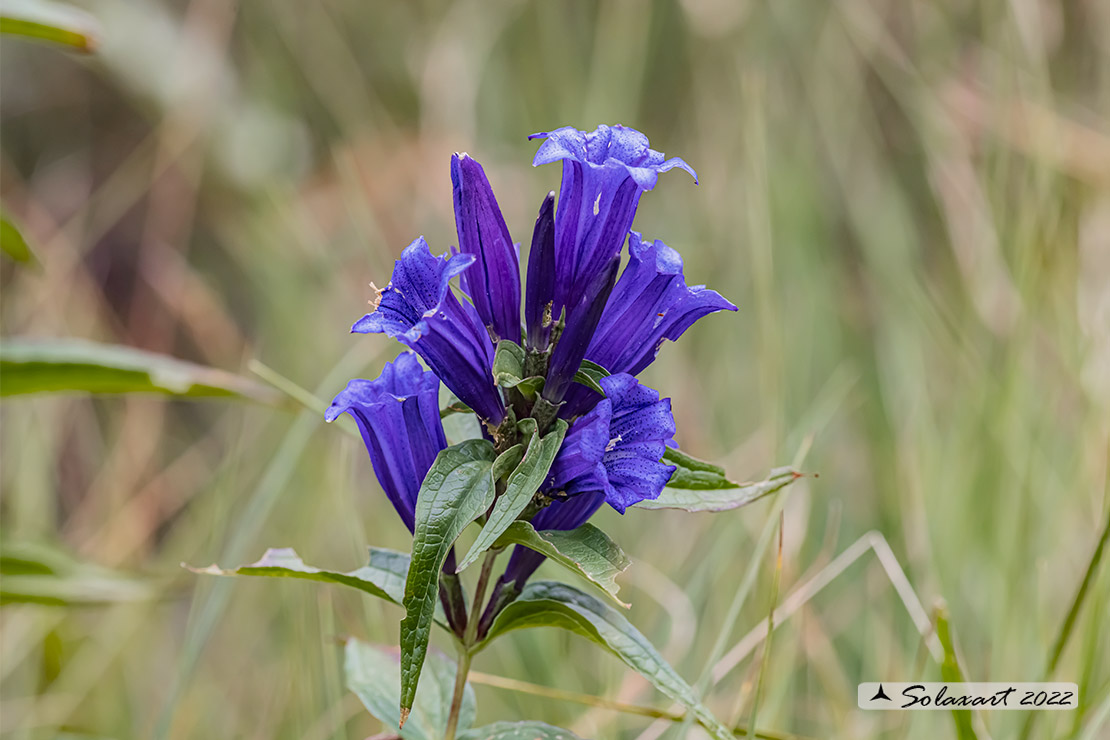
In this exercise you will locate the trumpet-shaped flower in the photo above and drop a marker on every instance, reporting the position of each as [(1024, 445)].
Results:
[(604, 173), (651, 302), (398, 416), (418, 309), (610, 455)]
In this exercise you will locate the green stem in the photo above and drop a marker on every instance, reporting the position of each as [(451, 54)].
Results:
[(460, 687), (465, 649)]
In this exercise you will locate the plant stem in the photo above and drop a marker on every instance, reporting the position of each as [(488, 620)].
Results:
[(460, 687), (465, 649)]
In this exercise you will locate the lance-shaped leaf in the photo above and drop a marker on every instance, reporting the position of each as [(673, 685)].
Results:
[(550, 604), (720, 499), (508, 369), (372, 674), (590, 374), (521, 486), (585, 551), (384, 576), (457, 490), (518, 731), (75, 366)]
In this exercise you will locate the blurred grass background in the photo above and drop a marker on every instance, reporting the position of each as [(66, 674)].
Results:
[(909, 201)]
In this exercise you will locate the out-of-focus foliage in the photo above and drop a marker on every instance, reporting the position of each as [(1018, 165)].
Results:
[(909, 201), (75, 366), (55, 23)]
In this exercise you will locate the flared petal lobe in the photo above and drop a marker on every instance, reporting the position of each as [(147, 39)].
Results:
[(398, 416), (604, 173), (418, 309), (493, 282), (639, 429), (651, 302)]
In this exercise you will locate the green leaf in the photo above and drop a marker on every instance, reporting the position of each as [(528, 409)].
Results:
[(695, 474), (518, 731), (76, 366), (12, 242), (507, 461), (508, 363), (508, 369), (550, 604), (522, 485), (457, 490), (677, 457), (590, 374), (49, 21), (383, 577), (721, 499), (455, 408), (40, 574), (373, 674), (586, 551)]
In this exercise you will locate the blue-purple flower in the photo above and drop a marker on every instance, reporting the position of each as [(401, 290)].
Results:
[(610, 455), (493, 282), (650, 303), (604, 173), (574, 307), (418, 309), (398, 415)]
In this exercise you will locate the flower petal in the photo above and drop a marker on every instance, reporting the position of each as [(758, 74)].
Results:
[(651, 302), (494, 282), (539, 294), (418, 309), (604, 173), (576, 466), (398, 416)]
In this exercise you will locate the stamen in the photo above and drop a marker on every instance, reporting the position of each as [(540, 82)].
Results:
[(613, 443), (377, 299)]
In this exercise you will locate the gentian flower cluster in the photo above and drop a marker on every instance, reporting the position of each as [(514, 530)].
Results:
[(578, 306)]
